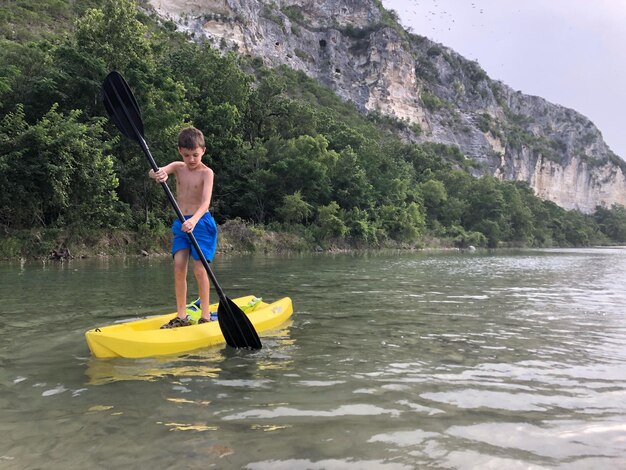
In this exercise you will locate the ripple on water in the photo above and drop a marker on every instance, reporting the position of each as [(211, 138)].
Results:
[(327, 464), (556, 440), (341, 411)]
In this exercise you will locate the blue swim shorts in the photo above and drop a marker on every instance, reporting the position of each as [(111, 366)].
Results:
[(205, 233)]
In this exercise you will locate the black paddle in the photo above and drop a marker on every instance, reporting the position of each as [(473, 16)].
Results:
[(123, 110)]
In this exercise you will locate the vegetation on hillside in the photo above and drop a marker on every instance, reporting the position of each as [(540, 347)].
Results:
[(289, 156)]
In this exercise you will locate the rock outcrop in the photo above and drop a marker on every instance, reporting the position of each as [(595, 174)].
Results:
[(358, 49)]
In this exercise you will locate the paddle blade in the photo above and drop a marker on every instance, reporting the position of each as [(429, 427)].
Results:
[(122, 106), (236, 326)]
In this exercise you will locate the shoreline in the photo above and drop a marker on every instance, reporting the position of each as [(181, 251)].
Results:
[(235, 237)]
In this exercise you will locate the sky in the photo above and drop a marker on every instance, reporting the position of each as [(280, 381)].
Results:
[(570, 52)]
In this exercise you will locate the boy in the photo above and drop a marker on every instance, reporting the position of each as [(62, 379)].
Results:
[(194, 186)]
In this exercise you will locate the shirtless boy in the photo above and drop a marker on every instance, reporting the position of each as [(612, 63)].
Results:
[(194, 187)]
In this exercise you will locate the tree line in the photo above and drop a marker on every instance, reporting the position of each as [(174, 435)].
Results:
[(287, 153)]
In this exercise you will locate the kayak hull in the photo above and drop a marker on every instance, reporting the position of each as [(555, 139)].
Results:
[(144, 338)]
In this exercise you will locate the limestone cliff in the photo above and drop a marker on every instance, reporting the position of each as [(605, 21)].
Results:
[(357, 48)]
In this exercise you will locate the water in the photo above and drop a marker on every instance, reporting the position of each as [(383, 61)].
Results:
[(391, 361)]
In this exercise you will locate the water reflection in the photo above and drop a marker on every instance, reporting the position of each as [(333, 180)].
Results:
[(101, 371), (202, 363)]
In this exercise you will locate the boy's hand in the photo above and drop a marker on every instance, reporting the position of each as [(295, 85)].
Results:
[(188, 225), (160, 176)]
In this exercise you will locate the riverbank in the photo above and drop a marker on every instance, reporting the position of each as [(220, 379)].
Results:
[(235, 236)]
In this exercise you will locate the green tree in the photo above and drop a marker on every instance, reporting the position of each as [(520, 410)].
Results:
[(518, 216), (27, 79), (392, 178), (55, 173), (274, 111), (485, 203), (340, 134), (577, 229), (116, 36), (217, 93), (268, 103), (435, 197), (350, 186), (301, 164), (329, 221), (360, 225), (428, 159), (404, 223), (612, 221), (491, 230), (77, 77), (295, 210), (8, 78), (252, 201)]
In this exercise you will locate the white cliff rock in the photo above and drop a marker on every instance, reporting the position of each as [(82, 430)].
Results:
[(357, 49)]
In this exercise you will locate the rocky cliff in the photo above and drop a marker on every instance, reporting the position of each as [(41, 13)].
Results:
[(358, 49)]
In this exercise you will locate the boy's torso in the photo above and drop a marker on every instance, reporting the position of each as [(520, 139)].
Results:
[(189, 188)]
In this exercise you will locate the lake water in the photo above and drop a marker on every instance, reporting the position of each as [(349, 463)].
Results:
[(391, 361)]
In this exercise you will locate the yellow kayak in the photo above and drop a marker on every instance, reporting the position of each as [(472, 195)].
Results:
[(144, 338)]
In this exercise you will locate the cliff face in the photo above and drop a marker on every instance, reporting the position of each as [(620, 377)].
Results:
[(357, 49)]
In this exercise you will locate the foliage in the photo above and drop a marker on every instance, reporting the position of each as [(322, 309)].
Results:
[(287, 152), (27, 20), (612, 222), (55, 172), (295, 209), (329, 222), (431, 101)]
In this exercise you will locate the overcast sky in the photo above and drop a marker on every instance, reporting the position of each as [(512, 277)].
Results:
[(570, 52)]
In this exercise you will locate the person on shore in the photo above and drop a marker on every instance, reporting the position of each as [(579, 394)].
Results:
[(194, 187)]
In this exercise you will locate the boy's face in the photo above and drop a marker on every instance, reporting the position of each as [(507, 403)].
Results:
[(192, 157)]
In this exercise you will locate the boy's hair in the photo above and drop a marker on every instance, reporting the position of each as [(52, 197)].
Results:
[(190, 138)]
